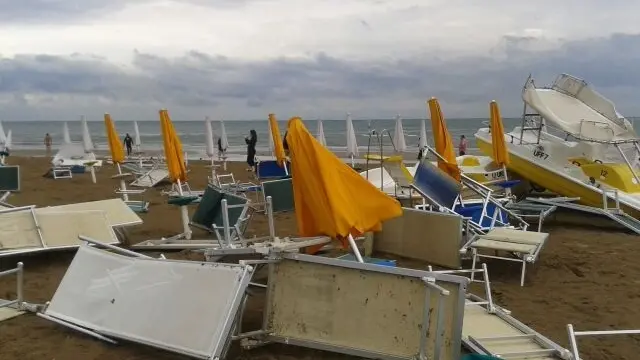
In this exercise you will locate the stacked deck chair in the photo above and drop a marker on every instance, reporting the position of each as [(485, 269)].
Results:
[(443, 194)]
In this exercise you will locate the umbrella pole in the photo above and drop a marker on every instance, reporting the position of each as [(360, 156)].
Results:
[(213, 170), (184, 214), (354, 247), (93, 174), (506, 178), (123, 186), (284, 164)]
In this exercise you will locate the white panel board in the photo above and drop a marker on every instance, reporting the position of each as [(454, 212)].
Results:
[(181, 306)]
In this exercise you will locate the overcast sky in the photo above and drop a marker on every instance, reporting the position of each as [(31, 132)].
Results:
[(241, 59)]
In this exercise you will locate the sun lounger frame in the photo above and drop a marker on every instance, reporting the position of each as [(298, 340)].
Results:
[(574, 334), (266, 335), (478, 344), (522, 256), (12, 308), (61, 172)]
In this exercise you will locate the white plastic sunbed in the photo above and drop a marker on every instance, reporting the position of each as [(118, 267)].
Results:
[(151, 178), (525, 245)]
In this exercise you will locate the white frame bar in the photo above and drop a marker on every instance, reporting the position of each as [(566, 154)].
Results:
[(574, 334)]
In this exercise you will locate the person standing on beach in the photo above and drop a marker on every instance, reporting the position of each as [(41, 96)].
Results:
[(47, 143), (251, 141), (128, 142), (462, 147)]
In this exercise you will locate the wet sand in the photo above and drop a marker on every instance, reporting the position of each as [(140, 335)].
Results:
[(586, 276)]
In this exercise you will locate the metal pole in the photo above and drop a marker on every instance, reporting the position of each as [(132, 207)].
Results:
[(112, 247), (354, 248), (19, 285), (269, 210), (225, 222)]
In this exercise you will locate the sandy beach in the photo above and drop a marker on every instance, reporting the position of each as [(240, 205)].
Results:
[(586, 276)]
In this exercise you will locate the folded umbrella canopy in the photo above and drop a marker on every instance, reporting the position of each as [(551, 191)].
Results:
[(278, 147), (331, 198), (500, 153), (172, 150), (115, 146), (442, 139)]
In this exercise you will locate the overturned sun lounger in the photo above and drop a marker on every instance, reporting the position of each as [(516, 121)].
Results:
[(151, 178), (156, 302), (524, 245)]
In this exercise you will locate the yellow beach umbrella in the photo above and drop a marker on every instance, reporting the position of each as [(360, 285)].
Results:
[(331, 198), (115, 146), (500, 153), (442, 140), (172, 149), (278, 147)]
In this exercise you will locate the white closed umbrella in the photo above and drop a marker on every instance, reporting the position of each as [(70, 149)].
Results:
[(6, 146), (87, 143), (211, 150), (320, 135), (224, 144), (423, 135), (352, 143), (7, 141), (136, 134), (3, 137), (271, 145), (398, 136), (66, 137)]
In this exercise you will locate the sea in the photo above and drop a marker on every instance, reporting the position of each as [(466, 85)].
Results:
[(29, 135)]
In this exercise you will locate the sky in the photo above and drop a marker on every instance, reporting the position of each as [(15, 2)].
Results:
[(242, 59)]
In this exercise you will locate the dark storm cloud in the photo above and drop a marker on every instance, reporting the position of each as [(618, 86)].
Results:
[(200, 80)]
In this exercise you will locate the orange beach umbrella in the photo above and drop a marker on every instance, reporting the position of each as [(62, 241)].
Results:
[(278, 147), (172, 149), (331, 198), (115, 146), (442, 140), (500, 153)]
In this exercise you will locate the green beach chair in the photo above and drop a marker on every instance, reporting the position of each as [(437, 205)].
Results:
[(208, 215)]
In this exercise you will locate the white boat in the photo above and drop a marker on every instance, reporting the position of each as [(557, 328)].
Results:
[(573, 142)]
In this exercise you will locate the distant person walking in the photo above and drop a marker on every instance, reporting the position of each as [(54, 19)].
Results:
[(47, 143), (128, 142), (462, 146), (251, 141)]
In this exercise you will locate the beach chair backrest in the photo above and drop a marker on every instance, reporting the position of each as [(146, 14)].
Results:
[(270, 169), (436, 185), (209, 210), (398, 171), (208, 207)]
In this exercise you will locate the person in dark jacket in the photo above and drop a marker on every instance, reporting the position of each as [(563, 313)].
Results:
[(251, 141)]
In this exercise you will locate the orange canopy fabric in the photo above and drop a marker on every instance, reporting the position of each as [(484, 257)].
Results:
[(331, 198), (278, 147), (115, 146), (443, 142), (172, 149), (500, 152)]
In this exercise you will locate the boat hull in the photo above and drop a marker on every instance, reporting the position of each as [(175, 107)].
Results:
[(558, 183)]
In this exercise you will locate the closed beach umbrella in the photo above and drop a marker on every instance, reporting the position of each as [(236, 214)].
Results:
[(211, 149), (115, 146), (7, 141), (136, 132), (443, 142), (352, 143), (398, 136), (224, 141), (330, 198), (86, 136), (500, 153), (423, 134), (3, 137), (278, 147), (320, 135), (172, 149), (66, 137)]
